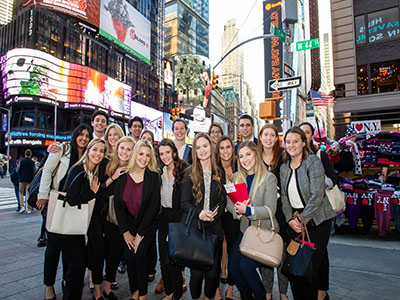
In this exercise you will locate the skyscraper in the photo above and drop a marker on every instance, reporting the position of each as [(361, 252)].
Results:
[(6, 10)]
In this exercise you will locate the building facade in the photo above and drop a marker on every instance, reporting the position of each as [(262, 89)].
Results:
[(232, 110)]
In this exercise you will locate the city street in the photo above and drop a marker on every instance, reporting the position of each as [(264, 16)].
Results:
[(362, 267)]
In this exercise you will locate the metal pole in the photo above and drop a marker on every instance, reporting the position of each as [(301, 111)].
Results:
[(8, 139), (240, 95), (286, 94), (55, 120)]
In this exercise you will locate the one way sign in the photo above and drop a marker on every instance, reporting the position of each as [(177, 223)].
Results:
[(282, 84)]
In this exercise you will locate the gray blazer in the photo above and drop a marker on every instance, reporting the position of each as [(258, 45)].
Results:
[(266, 195), (310, 176)]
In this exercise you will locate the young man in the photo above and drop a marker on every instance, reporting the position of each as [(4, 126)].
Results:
[(246, 129), (135, 126), (180, 130), (99, 123), (26, 170)]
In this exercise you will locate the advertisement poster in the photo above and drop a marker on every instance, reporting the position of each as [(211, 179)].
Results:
[(121, 23), (151, 119), (32, 72), (167, 128), (86, 10)]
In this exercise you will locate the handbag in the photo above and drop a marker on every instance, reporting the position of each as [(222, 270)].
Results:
[(335, 196), (65, 219), (111, 215), (299, 263), (262, 245), (189, 246)]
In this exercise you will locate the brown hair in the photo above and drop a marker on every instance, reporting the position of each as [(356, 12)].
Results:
[(218, 157), (306, 148), (276, 149), (215, 125)]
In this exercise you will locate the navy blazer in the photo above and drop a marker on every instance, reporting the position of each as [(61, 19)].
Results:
[(255, 140)]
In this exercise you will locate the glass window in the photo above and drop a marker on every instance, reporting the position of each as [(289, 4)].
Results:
[(362, 79), (28, 119), (383, 25), (385, 77), (360, 30)]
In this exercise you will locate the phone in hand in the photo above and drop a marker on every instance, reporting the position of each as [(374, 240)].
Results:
[(216, 207)]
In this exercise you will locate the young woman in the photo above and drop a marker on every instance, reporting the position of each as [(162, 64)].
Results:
[(215, 132), (262, 189), (113, 133), (270, 149), (303, 191), (148, 135), (171, 212), (202, 191), (137, 202), (226, 159), (54, 175)]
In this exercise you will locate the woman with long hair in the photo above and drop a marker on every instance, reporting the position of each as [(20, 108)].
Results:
[(113, 133), (215, 132), (303, 192), (262, 189), (270, 149), (137, 202), (225, 154), (203, 192), (54, 175), (172, 174)]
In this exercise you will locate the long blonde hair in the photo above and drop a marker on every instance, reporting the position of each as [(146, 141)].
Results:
[(113, 165), (85, 158), (152, 166), (196, 174), (120, 133), (260, 170)]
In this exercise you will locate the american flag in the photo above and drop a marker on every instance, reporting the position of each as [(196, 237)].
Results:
[(321, 99)]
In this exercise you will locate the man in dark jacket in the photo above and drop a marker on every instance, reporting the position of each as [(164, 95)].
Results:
[(26, 171), (15, 180)]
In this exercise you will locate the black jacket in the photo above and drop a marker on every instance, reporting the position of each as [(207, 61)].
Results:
[(78, 190), (149, 207), (26, 170), (328, 166)]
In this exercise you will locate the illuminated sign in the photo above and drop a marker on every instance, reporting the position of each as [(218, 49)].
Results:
[(39, 135), (150, 119), (269, 6), (121, 23)]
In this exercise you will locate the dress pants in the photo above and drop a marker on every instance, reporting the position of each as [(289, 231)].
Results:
[(231, 231)]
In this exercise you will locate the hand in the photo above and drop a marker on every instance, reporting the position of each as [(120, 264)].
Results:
[(54, 148), (118, 172), (207, 215), (41, 203), (295, 225), (137, 241), (240, 207), (166, 239), (95, 185), (129, 240)]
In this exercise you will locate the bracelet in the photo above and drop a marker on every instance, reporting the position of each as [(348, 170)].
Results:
[(112, 180)]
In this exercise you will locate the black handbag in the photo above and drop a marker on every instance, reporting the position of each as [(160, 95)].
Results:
[(190, 246), (299, 255)]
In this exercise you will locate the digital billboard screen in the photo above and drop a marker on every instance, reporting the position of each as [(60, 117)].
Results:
[(35, 73), (121, 23), (151, 119)]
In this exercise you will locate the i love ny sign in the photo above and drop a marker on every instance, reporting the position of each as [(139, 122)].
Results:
[(371, 126)]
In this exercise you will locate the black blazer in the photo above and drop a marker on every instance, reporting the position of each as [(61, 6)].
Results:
[(217, 196), (78, 191), (255, 140), (149, 207)]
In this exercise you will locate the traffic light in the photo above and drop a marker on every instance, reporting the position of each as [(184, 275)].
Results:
[(173, 114), (214, 83), (239, 137), (178, 112), (160, 124), (267, 109)]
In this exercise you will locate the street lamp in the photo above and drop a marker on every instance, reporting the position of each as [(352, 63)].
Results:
[(8, 136)]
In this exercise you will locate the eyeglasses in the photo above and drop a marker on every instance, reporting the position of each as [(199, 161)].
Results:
[(215, 132)]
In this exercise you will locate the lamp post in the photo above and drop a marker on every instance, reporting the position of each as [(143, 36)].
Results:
[(8, 137)]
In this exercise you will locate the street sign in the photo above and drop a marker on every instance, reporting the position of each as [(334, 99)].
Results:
[(288, 70), (279, 33), (282, 84), (309, 44)]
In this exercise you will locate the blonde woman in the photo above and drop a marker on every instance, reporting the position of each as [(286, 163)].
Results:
[(112, 135), (137, 202), (262, 189)]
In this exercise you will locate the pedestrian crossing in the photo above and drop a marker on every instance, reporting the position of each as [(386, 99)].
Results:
[(7, 198)]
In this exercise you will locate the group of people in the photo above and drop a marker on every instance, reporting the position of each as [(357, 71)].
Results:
[(140, 189)]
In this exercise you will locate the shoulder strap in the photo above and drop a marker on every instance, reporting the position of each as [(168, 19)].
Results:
[(319, 153), (73, 180)]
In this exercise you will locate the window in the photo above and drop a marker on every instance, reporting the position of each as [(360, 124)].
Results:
[(362, 79), (385, 77)]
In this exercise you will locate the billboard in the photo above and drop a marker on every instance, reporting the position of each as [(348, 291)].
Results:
[(151, 119), (167, 128), (121, 23), (32, 72), (86, 10)]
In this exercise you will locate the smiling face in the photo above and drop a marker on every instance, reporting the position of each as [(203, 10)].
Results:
[(247, 159), (203, 149), (136, 129), (269, 138), (294, 145), (215, 134), (125, 152), (308, 131), (148, 137), (180, 131), (166, 155), (99, 124), (82, 140), (96, 153), (225, 150), (113, 137), (246, 128), (143, 157)]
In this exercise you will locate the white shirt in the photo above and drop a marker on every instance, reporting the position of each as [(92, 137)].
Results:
[(293, 192), (207, 189), (167, 189), (96, 137), (181, 151)]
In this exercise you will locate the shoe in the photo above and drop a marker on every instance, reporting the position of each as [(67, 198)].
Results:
[(151, 277), (121, 268), (224, 280), (54, 298), (18, 208), (110, 296), (42, 243), (100, 298), (22, 210), (63, 286), (114, 286), (159, 287)]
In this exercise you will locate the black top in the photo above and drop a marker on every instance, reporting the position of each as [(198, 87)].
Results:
[(328, 166), (149, 206), (26, 170), (78, 187)]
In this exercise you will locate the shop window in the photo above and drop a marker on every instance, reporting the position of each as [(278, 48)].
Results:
[(362, 79), (383, 25), (385, 77), (28, 119), (45, 120)]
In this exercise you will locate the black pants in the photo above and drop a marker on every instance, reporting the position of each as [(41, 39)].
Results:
[(74, 256), (171, 274), (211, 277), (302, 289), (51, 259), (152, 257), (104, 243), (231, 231), (43, 227), (138, 263)]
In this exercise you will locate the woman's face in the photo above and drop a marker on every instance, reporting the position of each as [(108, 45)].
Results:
[(82, 140), (113, 137), (203, 149), (269, 138), (166, 155), (294, 145), (247, 159), (125, 151), (215, 134), (143, 157), (308, 131), (225, 150), (96, 153), (147, 136)]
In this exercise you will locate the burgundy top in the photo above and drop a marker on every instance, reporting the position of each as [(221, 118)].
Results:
[(133, 196)]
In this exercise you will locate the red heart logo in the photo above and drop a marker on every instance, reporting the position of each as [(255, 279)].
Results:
[(364, 202), (359, 126), (380, 206), (350, 201)]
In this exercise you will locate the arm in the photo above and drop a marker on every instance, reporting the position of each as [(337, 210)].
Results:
[(47, 173), (187, 199), (78, 190), (270, 197), (120, 209), (286, 209), (329, 170)]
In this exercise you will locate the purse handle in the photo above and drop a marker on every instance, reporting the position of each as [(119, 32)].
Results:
[(304, 230), (188, 223), (270, 217)]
